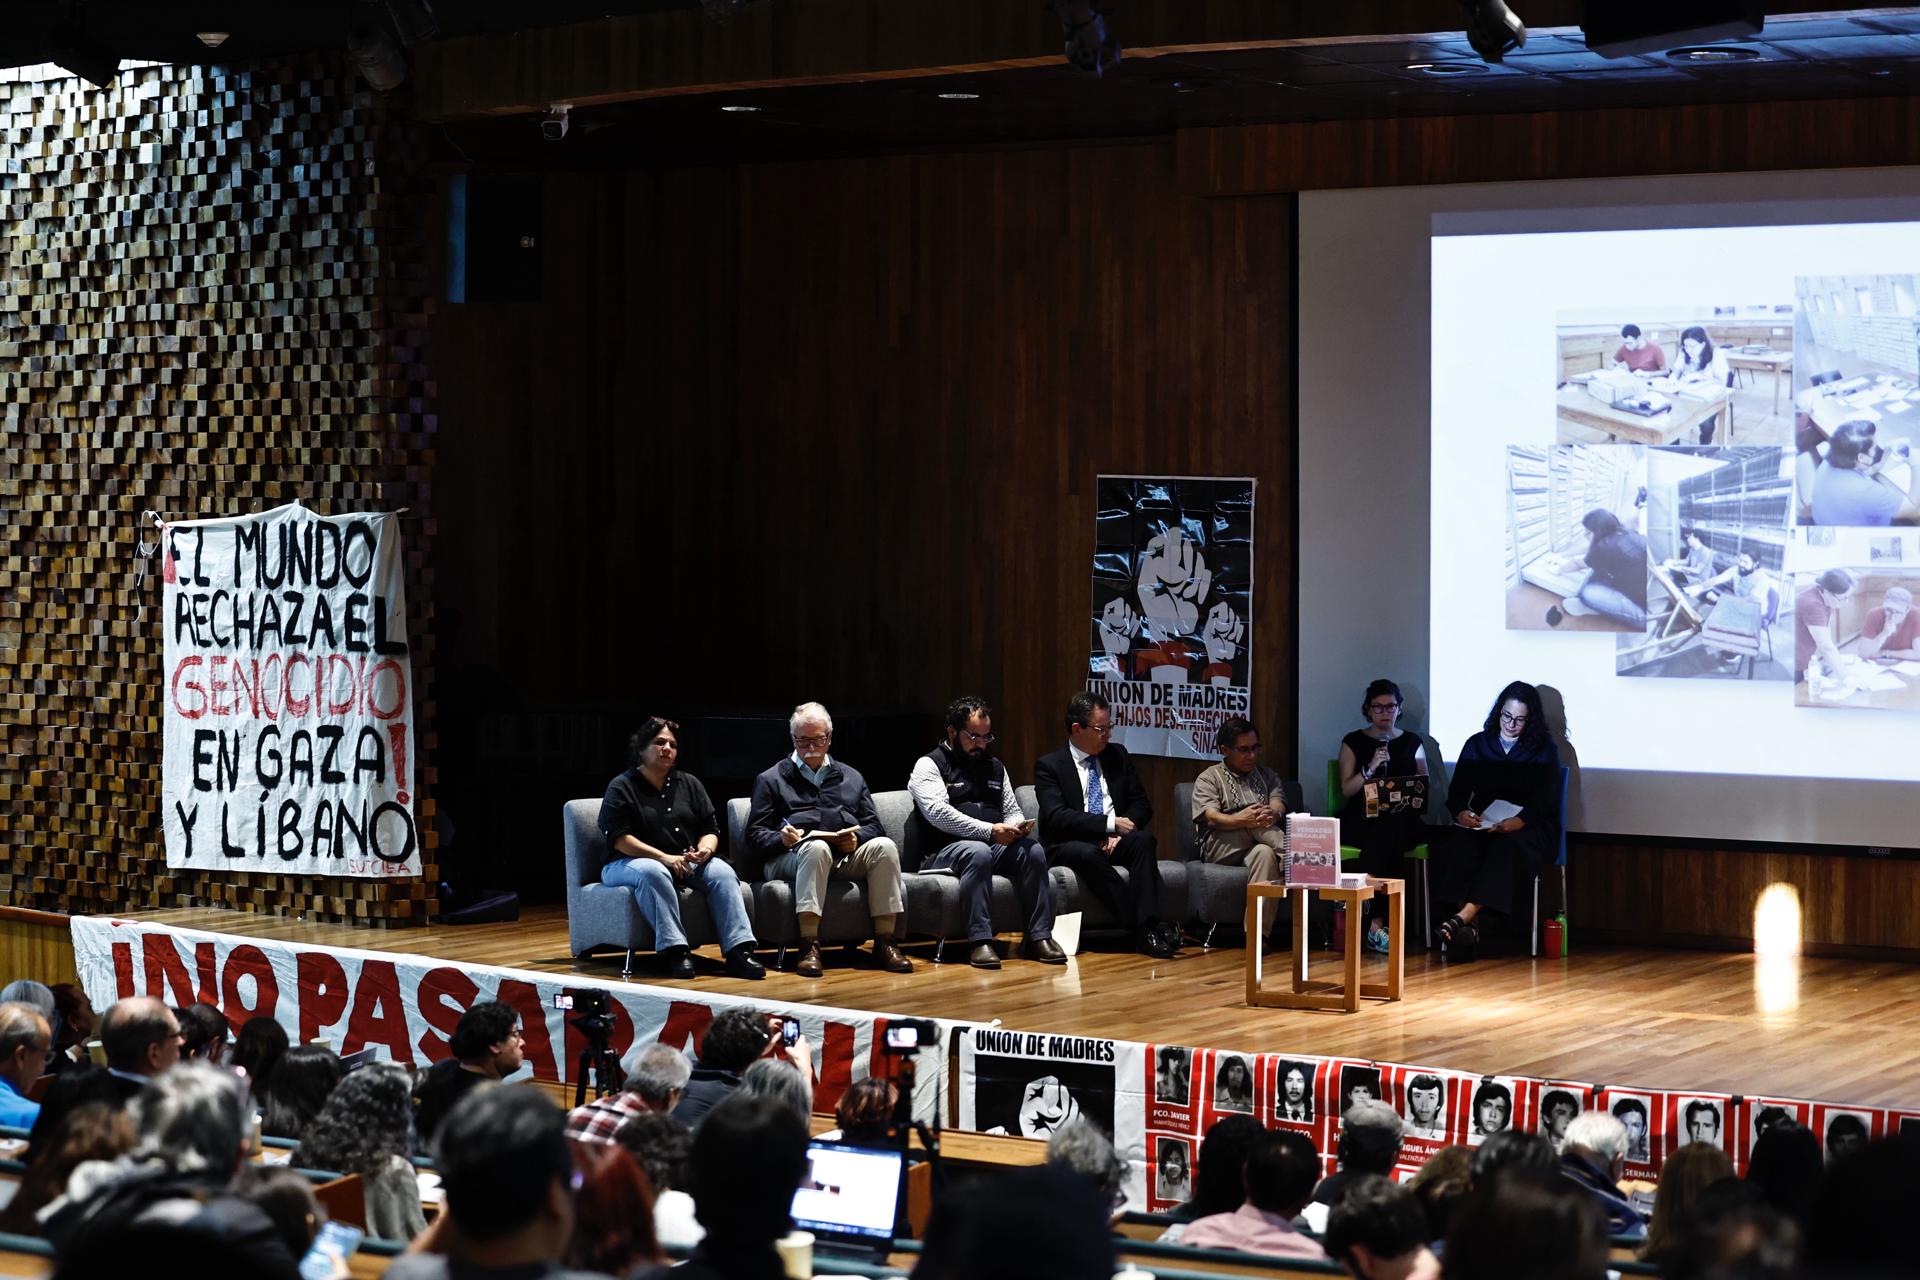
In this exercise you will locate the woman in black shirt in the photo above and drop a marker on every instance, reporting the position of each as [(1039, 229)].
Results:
[(660, 826)]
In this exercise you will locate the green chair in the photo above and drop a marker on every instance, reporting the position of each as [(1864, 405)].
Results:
[(1419, 853)]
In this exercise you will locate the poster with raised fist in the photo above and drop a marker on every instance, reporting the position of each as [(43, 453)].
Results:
[(1172, 621)]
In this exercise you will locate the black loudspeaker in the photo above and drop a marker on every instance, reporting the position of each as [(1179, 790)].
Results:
[(495, 238)]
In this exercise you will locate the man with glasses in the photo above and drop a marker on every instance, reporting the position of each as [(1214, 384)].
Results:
[(964, 807), (26, 1043), (1239, 806), (812, 820), (1094, 813), (486, 1046)]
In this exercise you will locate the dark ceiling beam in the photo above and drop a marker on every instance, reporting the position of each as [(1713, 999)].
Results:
[(779, 43)]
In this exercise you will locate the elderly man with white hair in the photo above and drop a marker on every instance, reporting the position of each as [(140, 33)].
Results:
[(812, 819), (1595, 1158)]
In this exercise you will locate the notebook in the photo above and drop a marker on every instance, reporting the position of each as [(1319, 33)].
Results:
[(848, 1198)]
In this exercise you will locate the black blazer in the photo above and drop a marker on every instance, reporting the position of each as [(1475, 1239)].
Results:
[(1063, 800)]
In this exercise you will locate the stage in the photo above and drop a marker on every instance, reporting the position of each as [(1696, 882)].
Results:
[(1794, 1026)]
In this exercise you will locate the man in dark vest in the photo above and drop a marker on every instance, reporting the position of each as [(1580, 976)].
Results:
[(1094, 813), (964, 805)]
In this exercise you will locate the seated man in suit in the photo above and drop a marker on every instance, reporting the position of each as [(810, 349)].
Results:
[(964, 807), (813, 819), (1093, 815)]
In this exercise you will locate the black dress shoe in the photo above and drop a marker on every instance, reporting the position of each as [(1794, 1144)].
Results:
[(679, 963), (984, 956), (741, 964), (1045, 950), (1172, 935), (1152, 941)]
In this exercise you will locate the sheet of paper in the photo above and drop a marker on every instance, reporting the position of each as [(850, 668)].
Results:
[(1907, 668), (1498, 811)]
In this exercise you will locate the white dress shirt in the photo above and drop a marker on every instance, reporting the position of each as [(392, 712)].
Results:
[(1080, 759)]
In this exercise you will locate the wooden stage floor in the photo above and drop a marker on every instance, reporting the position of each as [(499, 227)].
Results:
[(1824, 1028)]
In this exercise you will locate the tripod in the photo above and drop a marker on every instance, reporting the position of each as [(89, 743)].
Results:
[(597, 1060)]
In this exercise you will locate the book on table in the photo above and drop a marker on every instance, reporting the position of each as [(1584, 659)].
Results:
[(1312, 850)]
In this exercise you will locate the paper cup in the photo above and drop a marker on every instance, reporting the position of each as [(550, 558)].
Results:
[(796, 1254)]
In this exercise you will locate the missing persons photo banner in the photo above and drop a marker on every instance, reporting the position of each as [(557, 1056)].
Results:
[(1172, 624), (288, 732)]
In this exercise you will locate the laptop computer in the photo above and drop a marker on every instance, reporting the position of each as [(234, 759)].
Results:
[(848, 1199)]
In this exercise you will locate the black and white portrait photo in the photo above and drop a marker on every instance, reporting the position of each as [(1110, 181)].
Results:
[(1492, 1109), (1173, 1171), (1233, 1084), (1702, 1120), (1847, 1132), (1293, 1091), (1638, 1121), (1426, 1107), (1173, 1075), (1358, 1084), (1558, 1107)]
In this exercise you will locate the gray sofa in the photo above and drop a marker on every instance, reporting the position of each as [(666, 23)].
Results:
[(1216, 893), (599, 916)]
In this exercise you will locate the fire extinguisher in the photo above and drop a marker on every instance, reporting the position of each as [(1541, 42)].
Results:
[(1555, 937)]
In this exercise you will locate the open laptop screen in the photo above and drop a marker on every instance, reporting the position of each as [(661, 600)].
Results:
[(849, 1193)]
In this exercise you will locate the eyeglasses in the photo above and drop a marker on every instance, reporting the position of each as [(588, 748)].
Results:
[(1244, 750), (1507, 717), (813, 740), (977, 739), (1382, 707), (1104, 730)]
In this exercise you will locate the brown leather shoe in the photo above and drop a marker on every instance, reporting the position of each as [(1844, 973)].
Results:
[(984, 956), (808, 965), (1045, 950), (886, 955)]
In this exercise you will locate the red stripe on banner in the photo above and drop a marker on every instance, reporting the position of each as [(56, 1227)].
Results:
[(167, 970), (323, 992), (686, 1022), (241, 962), (439, 1013), (397, 735), (378, 1016), (123, 970), (836, 1065), (536, 1044)]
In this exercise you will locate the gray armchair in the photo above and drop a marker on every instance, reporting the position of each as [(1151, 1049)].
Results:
[(1216, 892)]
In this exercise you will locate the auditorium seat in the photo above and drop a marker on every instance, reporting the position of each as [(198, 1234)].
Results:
[(600, 915), (1216, 894)]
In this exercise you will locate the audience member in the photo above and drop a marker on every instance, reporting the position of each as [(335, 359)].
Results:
[(1787, 1168), (811, 820), (70, 1091), (1281, 1171), (287, 1198), (257, 1050), (366, 1127), (1512, 1149), (1525, 1225), (142, 1039), (1684, 1176), (1078, 1145), (965, 810), (74, 1026), (508, 1173), (37, 996), (865, 1111), (1595, 1157), (612, 1214), (1032, 1224), (26, 1043), (1220, 1174), (484, 1047), (655, 1084), (1094, 813), (1369, 1142), (203, 1032), (99, 1130), (302, 1082), (1858, 1225), (733, 1041), (660, 1143), (1379, 1232), (1441, 1184), (662, 832), (1734, 1235), (780, 1080), (169, 1198), (748, 1158)]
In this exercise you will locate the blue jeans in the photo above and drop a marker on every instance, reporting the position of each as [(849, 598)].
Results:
[(976, 863), (658, 898), (1603, 599)]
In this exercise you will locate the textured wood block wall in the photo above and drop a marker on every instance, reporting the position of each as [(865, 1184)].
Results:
[(213, 300)]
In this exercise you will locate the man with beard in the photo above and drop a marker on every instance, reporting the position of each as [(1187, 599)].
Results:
[(964, 803)]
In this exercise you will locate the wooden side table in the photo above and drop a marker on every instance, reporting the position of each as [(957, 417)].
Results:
[(1306, 994)]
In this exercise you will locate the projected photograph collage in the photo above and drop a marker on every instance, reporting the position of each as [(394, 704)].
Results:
[(1717, 476)]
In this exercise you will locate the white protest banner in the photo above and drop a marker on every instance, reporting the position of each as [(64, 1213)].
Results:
[(288, 741), (1172, 626), (406, 1006)]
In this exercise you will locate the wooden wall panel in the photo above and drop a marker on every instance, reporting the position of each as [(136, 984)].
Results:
[(1738, 137), (214, 301), (830, 431), (37, 945)]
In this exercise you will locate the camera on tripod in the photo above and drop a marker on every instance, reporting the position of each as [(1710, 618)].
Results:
[(593, 1018), (909, 1035)]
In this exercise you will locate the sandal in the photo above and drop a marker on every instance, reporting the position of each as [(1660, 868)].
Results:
[(1458, 939)]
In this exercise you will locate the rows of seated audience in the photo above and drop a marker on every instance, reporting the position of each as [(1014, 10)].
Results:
[(155, 1154)]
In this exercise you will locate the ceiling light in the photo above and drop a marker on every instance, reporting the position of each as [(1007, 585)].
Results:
[(1714, 53), (1444, 68), (212, 39), (960, 97), (738, 107)]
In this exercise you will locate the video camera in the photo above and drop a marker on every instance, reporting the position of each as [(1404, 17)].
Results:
[(909, 1035)]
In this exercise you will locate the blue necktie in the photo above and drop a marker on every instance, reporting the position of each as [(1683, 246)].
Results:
[(1096, 802)]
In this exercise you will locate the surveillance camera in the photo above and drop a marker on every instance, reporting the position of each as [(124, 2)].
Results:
[(553, 121)]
